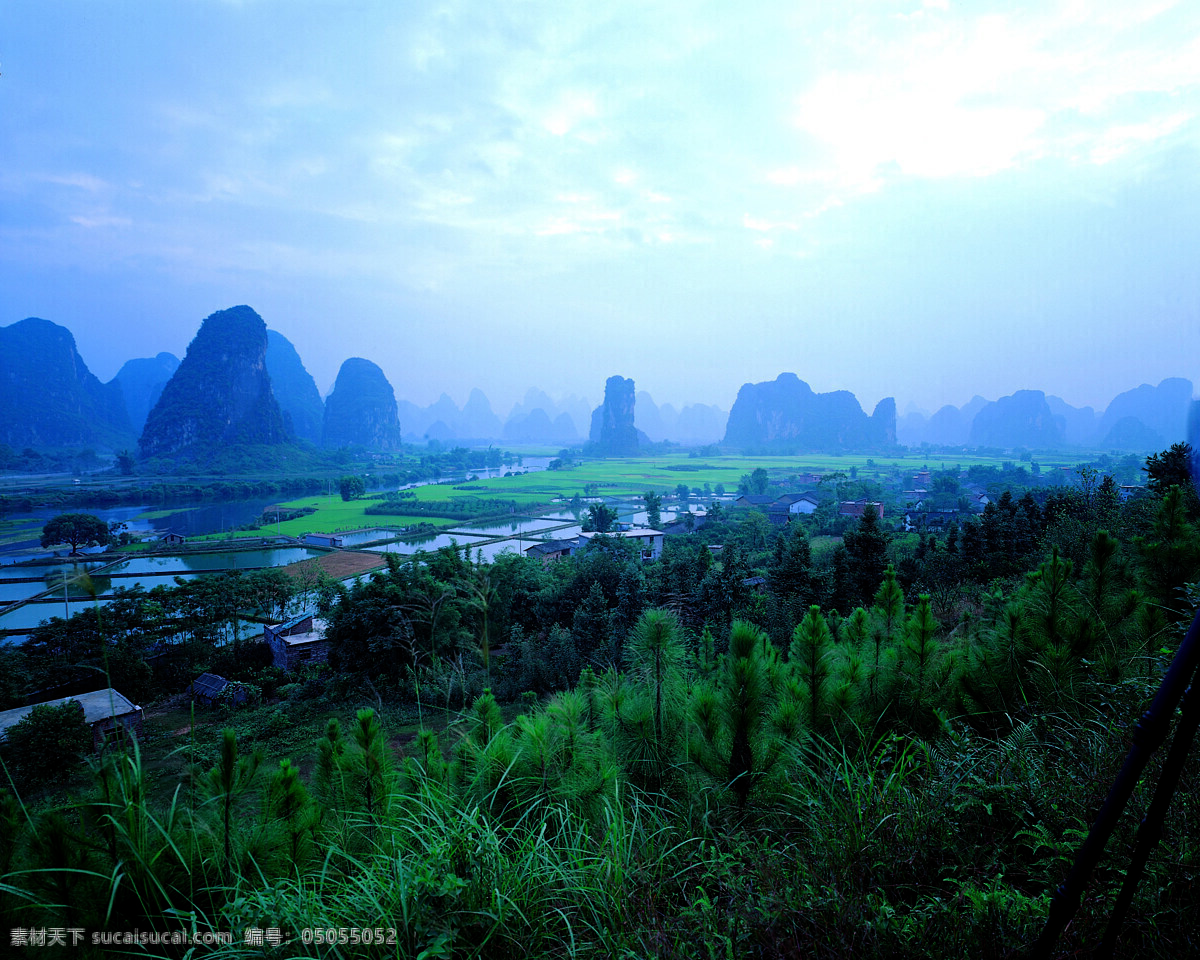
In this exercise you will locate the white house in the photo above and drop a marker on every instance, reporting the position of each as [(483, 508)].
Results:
[(650, 542)]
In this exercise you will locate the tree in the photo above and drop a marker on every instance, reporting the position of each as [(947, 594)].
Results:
[(789, 573), (1169, 469), (653, 509), (643, 711), (77, 529), (754, 483), (46, 743), (1173, 468), (741, 724), (600, 519), (810, 656), (866, 546), (351, 487), (225, 782)]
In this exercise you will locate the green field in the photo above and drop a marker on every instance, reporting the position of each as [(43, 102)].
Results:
[(624, 477)]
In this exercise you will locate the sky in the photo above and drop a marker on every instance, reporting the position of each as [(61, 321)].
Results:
[(924, 200)]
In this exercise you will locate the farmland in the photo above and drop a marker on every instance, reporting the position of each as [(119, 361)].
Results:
[(624, 477)]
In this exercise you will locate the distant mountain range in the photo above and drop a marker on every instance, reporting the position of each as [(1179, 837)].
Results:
[(240, 382), (786, 414), (1147, 418)]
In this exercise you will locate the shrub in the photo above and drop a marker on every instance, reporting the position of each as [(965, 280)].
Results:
[(45, 745)]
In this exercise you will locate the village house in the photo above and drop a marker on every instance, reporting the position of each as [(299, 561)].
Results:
[(298, 641), (171, 538), (685, 523), (930, 519), (758, 501), (650, 542), (856, 508), (330, 540), (790, 505), (550, 550), (103, 711)]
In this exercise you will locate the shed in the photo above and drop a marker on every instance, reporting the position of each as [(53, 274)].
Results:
[(323, 540), (209, 687), (103, 711), (171, 538)]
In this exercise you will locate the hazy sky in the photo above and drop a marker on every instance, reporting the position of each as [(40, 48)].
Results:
[(924, 200)]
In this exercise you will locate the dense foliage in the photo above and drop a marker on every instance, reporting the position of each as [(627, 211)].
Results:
[(886, 745)]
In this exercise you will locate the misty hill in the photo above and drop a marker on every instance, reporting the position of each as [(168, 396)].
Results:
[(141, 382), (49, 398), (361, 409), (612, 432), (478, 418), (1078, 423), (537, 427), (1129, 433), (698, 423), (443, 420), (648, 418), (536, 419), (1144, 419), (221, 393), (1163, 410), (294, 388), (787, 414), (1021, 420), (949, 426), (575, 410)]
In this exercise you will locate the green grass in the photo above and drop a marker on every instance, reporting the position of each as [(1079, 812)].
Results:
[(624, 477)]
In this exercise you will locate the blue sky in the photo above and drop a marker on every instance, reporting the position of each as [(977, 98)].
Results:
[(925, 200)]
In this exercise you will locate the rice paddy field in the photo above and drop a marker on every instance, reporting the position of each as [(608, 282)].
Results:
[(617, 477)]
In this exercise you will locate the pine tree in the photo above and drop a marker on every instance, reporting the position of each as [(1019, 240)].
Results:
[(231, 778), (741, 721), (920, 664), (291, 811), (810, 656), (370, 764), (644, 716), (866, 547), (887, 618)]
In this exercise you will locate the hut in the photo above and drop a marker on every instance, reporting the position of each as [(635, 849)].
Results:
[(103, 710), (212, 688)]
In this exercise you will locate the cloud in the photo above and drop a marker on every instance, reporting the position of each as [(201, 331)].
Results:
[(949, 94), (101, 221)]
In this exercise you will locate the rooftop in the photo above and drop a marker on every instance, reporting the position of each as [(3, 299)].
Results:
[(97, 705)]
